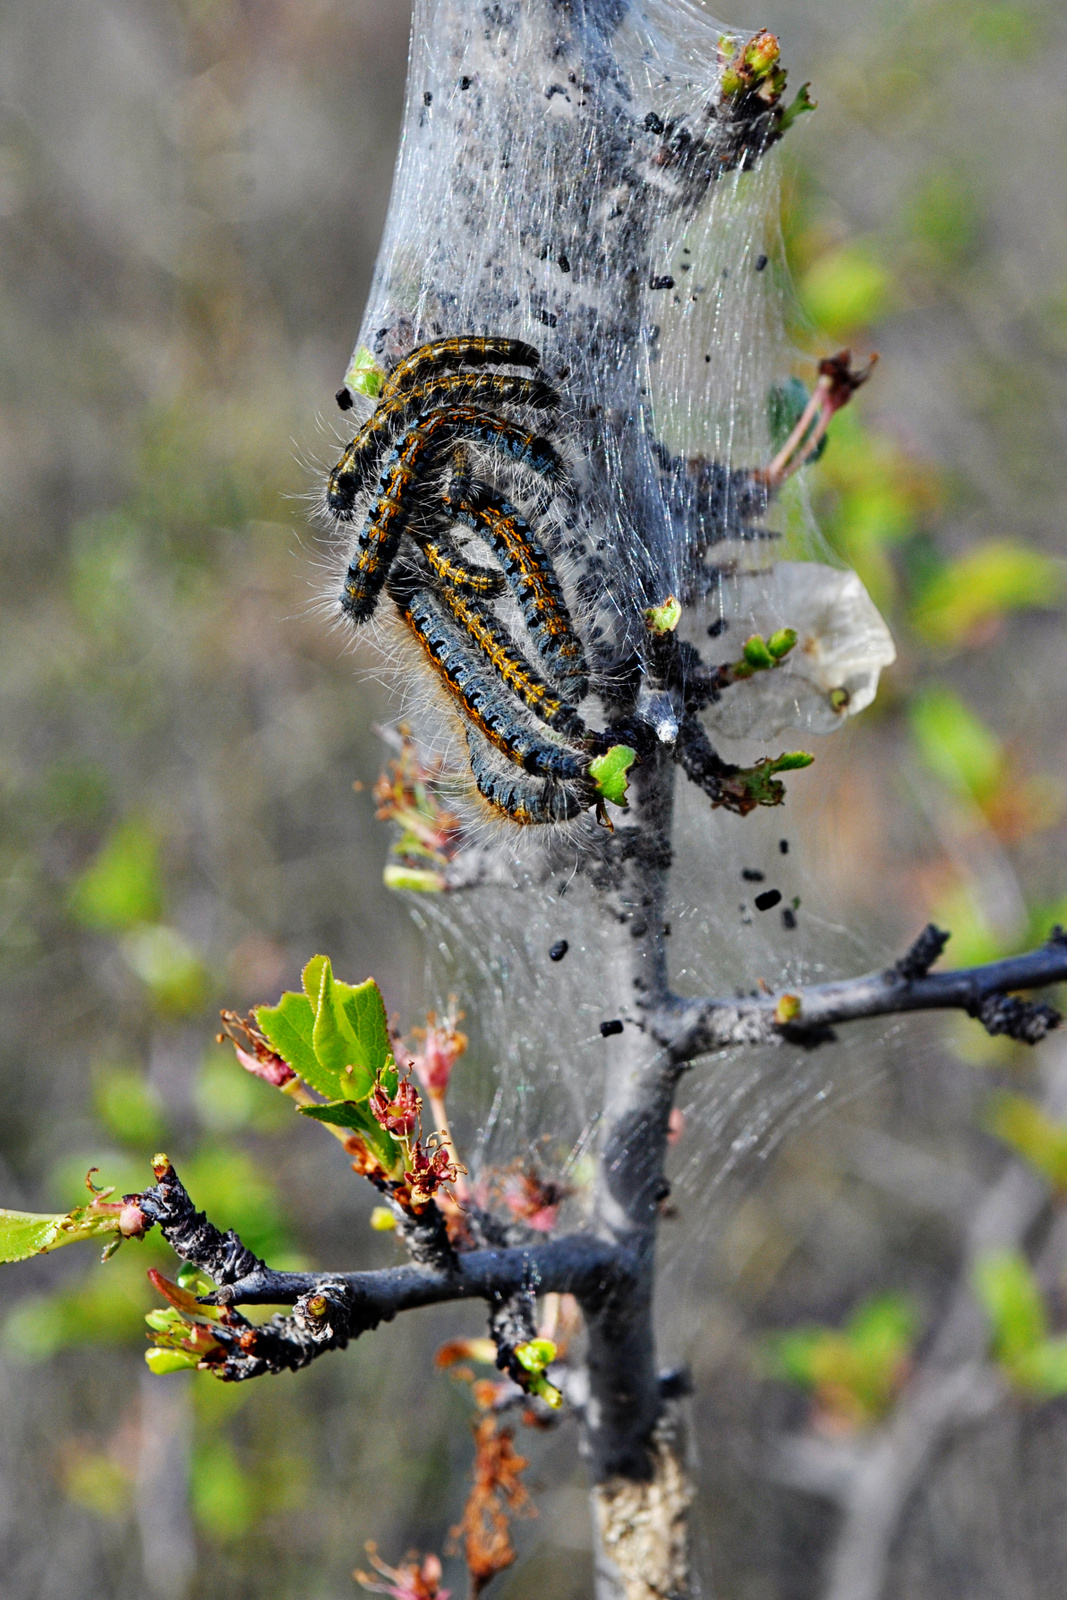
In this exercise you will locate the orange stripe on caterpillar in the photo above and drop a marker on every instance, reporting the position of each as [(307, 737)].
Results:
[(530, 802), (467, 350), (350, 474)]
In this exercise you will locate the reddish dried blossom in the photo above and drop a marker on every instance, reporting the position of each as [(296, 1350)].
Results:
[(442, 1046), (414, 1580), (430, 1169), (406, 794), (498, 1495), (253, 1051), (398, 1114), (534, 1200)]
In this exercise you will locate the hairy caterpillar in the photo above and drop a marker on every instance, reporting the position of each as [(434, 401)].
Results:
[(482, 700), (531, 575), (465, 351), (357, 462), (499, 649), (413, 456), (527, 801)]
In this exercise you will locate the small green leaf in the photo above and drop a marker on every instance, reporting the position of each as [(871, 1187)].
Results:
[(364, 375), (846, 289), (416, 879), (664, 618), (780, 643), (288, 1027), (163, 1361), (990, 579), (796, 108), (759, 783), (955, 745), (357, 1116), (757, 655), (609, 771), (25, 1233), (122, 886), (1005, 1284), (1033, 1134), (1043, 1370)]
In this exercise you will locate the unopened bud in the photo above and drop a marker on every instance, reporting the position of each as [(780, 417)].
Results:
[(133, 1224)]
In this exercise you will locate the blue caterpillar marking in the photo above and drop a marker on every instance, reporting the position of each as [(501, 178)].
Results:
[(528, 801), (530, 573), (357, 463), (415, 454), (511, 666), (482, 700)]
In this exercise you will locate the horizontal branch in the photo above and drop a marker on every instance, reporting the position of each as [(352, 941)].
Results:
[(808, 1016), (579, 1264)]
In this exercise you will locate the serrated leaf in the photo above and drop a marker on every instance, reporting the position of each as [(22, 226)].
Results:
[(336, 1044), (311, 978), (289, 1027), (357, 1116), (365, 1010), (25, 1233)]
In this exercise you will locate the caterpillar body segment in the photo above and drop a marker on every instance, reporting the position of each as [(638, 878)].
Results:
[(412, 458), (499, 649), (451, 568), (465, 351), (483, 701), (352, 472), (528, 801), (531, 575), (378, 543)]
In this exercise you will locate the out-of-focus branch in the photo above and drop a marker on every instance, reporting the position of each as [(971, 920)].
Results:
[(807, 1016), (953, 1383)]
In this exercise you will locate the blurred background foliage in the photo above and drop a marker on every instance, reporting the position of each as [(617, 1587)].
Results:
[(191, 193)]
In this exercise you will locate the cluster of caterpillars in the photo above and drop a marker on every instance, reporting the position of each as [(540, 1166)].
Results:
[(415, 450)]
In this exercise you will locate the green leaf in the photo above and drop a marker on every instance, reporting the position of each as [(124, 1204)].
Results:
[(163, 1361), (1043, 1370), (416, 879), (288, 1027), (1033, 1134), (357, 1116), (338, 1047), (1005, 1284), (609, 771), (992, 578), (757, 655), (122, 886), (846, 290), (168, 964), (365, 1010), (25, 1233), (955, 745), (129, 1107), (364, 375), (664, 618), (798, 105), (781, 642)]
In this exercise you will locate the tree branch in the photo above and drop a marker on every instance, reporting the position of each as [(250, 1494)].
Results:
[(808, 1016)]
